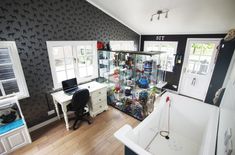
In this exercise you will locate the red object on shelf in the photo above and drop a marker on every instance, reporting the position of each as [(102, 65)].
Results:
[(100, 45)]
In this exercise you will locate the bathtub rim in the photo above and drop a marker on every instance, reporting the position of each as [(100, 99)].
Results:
[(209, 139), (121, 135)]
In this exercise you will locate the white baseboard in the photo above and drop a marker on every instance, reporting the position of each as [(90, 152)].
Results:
[(33, 128)]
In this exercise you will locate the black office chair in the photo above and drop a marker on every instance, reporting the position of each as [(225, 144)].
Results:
[(78, 105)]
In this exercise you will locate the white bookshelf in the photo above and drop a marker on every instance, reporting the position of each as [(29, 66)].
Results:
[(15, 134)]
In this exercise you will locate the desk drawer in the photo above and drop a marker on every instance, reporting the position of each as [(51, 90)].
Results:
[(99, 106), (99, 92), (97, 99)]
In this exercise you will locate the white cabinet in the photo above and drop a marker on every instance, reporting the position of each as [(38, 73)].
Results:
[(2, 148), (14, 140), (13, 135), (98, 102)]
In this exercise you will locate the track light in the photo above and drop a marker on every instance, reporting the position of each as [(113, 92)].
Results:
[(158, 17), (159, 12), (166, 16)]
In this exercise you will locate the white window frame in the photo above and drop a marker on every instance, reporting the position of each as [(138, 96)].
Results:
[(74, 44), (17, 69), (122, 45), (151, 43)]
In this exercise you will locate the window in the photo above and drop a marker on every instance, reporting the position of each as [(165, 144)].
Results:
[(122, 45), (70, 59), (200, 57), (12, 79), (167, 59)]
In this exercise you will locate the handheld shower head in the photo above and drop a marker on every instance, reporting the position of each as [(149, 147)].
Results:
[(167, 99)]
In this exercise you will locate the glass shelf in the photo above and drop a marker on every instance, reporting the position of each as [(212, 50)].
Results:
[(131, 77)]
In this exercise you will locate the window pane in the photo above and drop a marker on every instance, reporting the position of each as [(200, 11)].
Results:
[(167, 58), (194, 57), (90, 70), (190, 67), (10, 87), (115, 47), (70, 73), (6, 72), (4, 56), (122, 45), (155, 48), (68, 52), (61, 76), (200, 58), (89, 50), (89, 60), (82, 62), (58, 52), (81, 50), (69, 63), (82, 72), (59, 64)]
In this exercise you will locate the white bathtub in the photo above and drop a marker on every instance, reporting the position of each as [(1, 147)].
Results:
[(193, 129)]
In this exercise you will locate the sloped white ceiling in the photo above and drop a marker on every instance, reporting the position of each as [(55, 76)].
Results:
[(185, 16)]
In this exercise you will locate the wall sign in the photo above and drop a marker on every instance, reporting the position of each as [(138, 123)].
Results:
[(160, 38)]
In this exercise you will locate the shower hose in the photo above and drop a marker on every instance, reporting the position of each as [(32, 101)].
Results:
[(166, 133)]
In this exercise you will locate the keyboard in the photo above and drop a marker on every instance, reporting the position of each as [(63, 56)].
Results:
[(71, 91)]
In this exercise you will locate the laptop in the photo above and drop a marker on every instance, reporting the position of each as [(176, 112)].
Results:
[(70, 86)]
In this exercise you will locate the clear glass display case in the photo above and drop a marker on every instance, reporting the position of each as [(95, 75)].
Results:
[(131, 78)]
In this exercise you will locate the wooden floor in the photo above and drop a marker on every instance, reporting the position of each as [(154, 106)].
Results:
[(94, 139)]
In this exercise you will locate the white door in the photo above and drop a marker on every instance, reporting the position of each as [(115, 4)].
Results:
[(198, 67)]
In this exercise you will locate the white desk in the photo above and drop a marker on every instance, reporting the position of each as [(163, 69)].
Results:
[(97, 104)]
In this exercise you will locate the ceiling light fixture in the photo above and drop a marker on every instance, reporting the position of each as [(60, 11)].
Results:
[(159, 12)]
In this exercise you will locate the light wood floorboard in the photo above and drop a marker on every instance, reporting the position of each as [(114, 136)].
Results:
[(94, 139)]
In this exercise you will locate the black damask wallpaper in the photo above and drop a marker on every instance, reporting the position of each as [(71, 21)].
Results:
[(33, 22)]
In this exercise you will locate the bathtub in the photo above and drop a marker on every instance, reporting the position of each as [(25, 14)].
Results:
[(192, 129)]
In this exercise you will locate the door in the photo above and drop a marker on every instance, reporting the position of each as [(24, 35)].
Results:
[(198, 67)]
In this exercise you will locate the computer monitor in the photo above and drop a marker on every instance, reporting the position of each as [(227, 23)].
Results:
[(69, 84)]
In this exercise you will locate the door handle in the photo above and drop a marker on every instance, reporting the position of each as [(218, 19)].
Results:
[(193, 81)]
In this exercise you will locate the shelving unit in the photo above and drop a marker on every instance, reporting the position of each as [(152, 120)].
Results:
[(13, 129), (132, 77)]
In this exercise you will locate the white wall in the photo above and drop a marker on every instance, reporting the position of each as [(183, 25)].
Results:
[(230, 69), (227, 113), (228, 100)]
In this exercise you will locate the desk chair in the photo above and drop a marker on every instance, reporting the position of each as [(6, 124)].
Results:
[(78, 105)]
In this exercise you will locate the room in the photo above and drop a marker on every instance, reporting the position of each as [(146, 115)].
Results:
[(94, 77)]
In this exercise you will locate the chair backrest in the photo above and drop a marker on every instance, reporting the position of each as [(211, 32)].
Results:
[(80, 99)]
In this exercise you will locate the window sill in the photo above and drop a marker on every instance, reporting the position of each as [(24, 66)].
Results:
[(19, 97)]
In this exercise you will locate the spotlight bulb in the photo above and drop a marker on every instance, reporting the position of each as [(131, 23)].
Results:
[(166, 15)]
